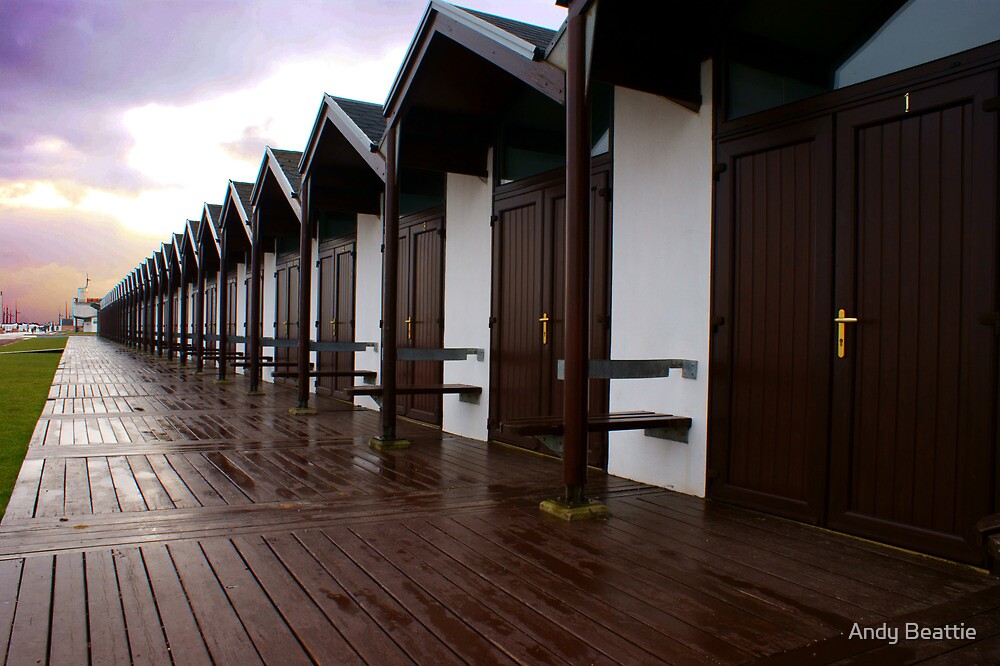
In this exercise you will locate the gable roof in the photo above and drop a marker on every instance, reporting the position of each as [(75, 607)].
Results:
[(189, 247), (178, 240), (234, 211), (282, 165), (208, 232), (504, 42), (360, 125)]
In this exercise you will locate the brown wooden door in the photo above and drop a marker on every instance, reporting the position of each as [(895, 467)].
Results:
[(286, 323), (211, 313), (915, 395), (336, 322), (528, 303), (772, 303), (420, 309), (895, 224), (231, 329)]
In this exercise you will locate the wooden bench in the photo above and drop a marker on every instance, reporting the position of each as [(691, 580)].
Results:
[(466, 393), (550, 429), (367, 374), (267, 362)]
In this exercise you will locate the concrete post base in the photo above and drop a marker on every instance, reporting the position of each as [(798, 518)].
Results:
[(380, 444), (589, 510), (302, 411)]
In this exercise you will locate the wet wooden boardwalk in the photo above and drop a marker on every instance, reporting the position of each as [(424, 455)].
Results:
[(162, 518)]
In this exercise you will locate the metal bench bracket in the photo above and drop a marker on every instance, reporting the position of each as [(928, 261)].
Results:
[(446, 354), (673, 434), (636, 369)]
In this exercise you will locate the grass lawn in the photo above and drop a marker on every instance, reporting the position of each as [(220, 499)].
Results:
[(24, 384)]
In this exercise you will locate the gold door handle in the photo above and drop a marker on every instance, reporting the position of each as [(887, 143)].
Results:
[(333, 323), (840, 320), (409, 328), (545, 327)]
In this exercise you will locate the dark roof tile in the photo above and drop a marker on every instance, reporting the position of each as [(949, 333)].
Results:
[(215, 212), (244, 191), (367, 116), (288, 160), (534, 34)]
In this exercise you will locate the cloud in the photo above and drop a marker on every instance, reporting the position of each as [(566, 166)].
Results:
[(250, 145), (46, 255)]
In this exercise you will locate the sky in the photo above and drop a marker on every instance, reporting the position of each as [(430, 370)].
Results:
[(119, 119)]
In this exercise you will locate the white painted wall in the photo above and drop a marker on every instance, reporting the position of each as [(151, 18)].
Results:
[(661, 276), (467, 293), (368, 296), (270, 303)]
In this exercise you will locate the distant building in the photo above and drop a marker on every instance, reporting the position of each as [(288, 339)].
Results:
[(84, 311)]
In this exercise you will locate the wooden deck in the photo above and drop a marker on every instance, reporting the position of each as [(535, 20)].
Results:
[(162, 518)]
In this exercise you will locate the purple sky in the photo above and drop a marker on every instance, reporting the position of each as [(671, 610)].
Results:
[(118, 119)]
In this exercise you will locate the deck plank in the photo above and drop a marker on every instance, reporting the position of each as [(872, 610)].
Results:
[(267, 629), (224, 633), (29, 643), (146, 639), (68, 644), (343, 609), (183, 635), (307, 620), (10, 583), (450, 626), (108, 637)]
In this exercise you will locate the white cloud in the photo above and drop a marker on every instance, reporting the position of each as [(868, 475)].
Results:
[(37, 194), (185, 151)]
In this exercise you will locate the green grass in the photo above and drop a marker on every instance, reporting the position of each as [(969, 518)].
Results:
[(24, 384)]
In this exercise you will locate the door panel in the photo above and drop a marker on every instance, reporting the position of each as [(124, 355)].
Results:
[(345, 271), (771, 354), (286, 323), (327, 323), (529, 285), (427, 313), (915, 394), (211, 313), (520, 376), (281, 316), (336, 319), (231, 329), (420, 300)]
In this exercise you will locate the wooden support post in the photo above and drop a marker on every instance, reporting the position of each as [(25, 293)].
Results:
[(253, 348), (222, 297), (199, 314), (390, 271), (305, 301), (182, 305), (158, 295), (147, 324), (169, 298), (574, 505), (140, 306)]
